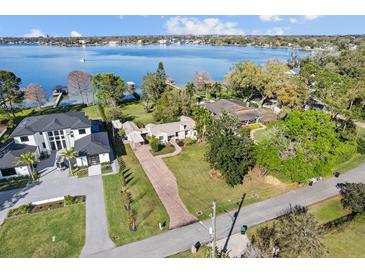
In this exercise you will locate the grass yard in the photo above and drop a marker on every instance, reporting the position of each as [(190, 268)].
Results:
[(31, 235), (262, 134), (137, 112), (198, 189), (148, 207), (348, 239), (345, 241), (353, 162), (92, 112), (165, 150)]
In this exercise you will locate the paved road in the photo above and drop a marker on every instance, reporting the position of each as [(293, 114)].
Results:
[(164, 183), (58, 184), (181, 239)]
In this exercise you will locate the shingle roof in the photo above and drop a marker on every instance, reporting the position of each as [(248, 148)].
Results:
[(10, 154), (48, 122), (172, 128), (239, 108), (93, 144)]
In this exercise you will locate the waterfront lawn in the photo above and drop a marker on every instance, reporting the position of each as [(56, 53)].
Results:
[(148, 207), (198, 189), (137, 113), (31, 235), (92, 112)]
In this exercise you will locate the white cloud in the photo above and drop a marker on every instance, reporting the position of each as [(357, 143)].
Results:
[(311, 17), (267, 18), (272, 31), (293, 20), (35, 33), (275, 31), (191, 25), (74, 33)]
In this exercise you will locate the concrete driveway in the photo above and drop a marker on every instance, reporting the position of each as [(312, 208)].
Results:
[(164, 183), (57, 184)]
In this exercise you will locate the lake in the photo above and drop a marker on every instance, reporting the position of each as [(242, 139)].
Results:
[(50, 65)]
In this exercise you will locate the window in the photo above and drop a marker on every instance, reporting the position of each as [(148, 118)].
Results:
[(82, 131), (24, 139), (8, 172), (53, 146), (50, 133), (43, 144)]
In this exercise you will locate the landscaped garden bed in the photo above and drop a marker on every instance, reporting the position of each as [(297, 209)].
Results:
[(106, 168), (46, 205), (14, 182), (163, 149)]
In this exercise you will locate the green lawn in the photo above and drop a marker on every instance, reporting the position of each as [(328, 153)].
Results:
[(165, 150), (92, 112), (346, 241), (137, 112), (328, 210), (262, 134), (148, 207), (31, 235), (353, 162), (198, 189)]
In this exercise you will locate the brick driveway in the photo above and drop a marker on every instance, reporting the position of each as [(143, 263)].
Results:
[(164, 182)]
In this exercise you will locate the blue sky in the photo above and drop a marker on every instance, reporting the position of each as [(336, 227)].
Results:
[(148, 25)]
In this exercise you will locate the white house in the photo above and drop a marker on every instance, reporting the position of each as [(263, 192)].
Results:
[(175, 130), (55, 132), (164, 132)]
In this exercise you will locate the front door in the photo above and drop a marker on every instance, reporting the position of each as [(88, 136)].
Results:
[(93, 160)]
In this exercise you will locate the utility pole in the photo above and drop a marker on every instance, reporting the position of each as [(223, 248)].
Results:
[(214, 206)]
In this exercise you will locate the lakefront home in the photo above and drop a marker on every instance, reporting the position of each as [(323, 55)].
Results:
[(184, 128), (244, 113), (52, 133)]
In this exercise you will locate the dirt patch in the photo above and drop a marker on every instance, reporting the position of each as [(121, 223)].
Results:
[(215, 174)]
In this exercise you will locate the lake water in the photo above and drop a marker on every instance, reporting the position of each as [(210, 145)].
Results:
[(50, 65)]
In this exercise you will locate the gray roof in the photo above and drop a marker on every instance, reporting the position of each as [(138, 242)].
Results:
[(225, 105), (49, 122), (92, 144), (11, 153), (186, 123), (244, 113)]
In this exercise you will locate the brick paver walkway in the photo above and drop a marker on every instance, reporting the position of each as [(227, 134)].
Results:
[(164, 182)]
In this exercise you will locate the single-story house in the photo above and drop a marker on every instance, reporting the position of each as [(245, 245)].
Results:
[(164, 132), (185, 128), (245, 114), (59, 132)]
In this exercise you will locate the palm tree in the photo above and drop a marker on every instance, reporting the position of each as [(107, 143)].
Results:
[(69, 155), (29, 159)]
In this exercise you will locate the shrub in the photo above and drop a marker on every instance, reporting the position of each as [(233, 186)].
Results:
[(121, 163), (244, 132), (15, 179), (353, 196), (121, 132), (43, 155), (361, 145), (154, 143), (139, 124), (24, 209), (189, 141), (71, 200)]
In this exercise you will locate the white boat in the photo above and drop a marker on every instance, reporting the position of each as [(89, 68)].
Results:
[(82, 60)]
